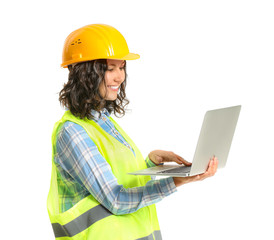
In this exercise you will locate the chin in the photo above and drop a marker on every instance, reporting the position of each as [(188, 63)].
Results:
[(111, 99)]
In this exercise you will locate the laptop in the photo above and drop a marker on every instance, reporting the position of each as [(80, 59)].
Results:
[(215, 140)]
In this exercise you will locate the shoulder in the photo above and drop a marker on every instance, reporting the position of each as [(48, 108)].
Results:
[(70, 128), (71, 135), (69, 131)]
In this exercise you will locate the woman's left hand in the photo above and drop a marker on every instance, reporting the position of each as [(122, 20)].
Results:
[(160, 156)]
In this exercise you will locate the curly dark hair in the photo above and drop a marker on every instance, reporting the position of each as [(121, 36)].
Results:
[(81, 93)]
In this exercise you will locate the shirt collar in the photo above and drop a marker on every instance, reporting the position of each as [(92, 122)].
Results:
[(95, 113), (105, 111)]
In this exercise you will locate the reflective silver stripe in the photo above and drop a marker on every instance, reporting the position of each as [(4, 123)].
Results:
[(80, 223), (150, 237), (88, 218), (157, 236)]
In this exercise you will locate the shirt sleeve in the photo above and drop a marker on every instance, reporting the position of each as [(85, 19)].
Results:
[(78, 155)]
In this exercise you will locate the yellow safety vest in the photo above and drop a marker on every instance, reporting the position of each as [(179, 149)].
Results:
[(88, 219)]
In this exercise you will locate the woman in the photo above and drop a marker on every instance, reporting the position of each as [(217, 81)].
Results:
[(91, 194)]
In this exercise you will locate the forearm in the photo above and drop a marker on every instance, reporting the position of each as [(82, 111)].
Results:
[(124, 201), (92, 172), (178, 181)]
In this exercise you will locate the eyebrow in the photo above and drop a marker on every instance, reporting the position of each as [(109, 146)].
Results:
[(116, 64)]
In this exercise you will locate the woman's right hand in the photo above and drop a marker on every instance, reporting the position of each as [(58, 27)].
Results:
[(211, 170)]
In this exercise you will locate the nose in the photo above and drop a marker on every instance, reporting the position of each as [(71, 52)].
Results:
[(119, 76)]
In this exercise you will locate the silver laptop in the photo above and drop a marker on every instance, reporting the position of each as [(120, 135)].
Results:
[(215, 139)]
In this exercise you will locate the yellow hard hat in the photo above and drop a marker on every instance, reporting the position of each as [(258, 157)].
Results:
[(95, 41)]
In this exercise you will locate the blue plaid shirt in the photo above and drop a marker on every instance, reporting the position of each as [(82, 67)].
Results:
[(84, 171)]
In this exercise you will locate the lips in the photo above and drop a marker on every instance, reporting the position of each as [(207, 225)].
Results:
[(114, 87)]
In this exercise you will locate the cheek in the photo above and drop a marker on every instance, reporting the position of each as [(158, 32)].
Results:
[(108, 77), (102, 89)]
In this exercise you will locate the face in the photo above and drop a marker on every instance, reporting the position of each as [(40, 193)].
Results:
[(114, 77)]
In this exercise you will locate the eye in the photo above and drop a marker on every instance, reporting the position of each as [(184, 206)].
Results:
[(110, 69), (122, 68)]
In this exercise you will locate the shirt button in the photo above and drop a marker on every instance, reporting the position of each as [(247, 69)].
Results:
[(104, 118), (116, 132)]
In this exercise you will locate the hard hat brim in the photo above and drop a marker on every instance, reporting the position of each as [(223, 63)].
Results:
[(129, 56)]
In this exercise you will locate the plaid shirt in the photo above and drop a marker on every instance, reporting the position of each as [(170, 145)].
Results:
[(84, 171)]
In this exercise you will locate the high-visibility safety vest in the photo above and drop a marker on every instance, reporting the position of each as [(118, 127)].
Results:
[(88, 219)]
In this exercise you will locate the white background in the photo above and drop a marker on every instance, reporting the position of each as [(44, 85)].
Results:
[(195, 56)]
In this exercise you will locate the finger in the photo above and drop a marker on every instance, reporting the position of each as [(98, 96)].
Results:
[(177, 160), (216, 163), (210, 164), (210, 169), (213, 167), (182, 160), (172, 157)]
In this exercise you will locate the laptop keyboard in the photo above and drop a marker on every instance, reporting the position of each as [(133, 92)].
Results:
[(182, 169)]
